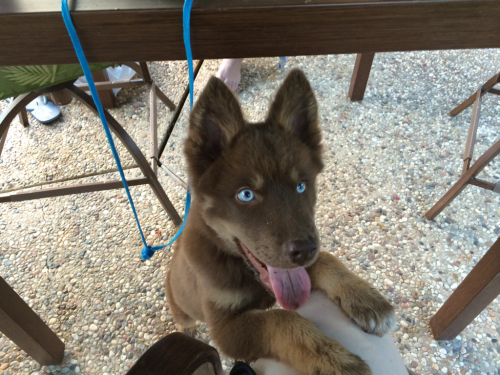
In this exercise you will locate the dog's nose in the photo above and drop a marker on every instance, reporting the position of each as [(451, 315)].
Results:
[(301, 251)]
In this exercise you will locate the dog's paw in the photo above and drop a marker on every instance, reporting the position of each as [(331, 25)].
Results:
[(370, 310), (340, 363), (354, 365)]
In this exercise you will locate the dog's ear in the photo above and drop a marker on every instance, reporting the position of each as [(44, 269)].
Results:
[(215, 119), (295, 109)]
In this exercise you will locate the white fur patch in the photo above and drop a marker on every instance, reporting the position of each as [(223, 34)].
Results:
[(231, 299)]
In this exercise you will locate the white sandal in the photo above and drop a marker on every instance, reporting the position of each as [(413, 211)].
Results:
[(43, 110)]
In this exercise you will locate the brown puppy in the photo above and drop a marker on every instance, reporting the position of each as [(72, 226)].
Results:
[(250, 236)]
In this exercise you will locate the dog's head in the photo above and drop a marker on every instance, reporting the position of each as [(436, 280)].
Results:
[(255, 184)]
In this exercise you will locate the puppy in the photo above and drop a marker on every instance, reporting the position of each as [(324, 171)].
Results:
[(250, 237)]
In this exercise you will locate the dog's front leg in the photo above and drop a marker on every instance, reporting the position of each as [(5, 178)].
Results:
[(357, 297), (286, 337)]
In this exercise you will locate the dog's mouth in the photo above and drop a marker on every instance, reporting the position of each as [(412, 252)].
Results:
[(291, 287)]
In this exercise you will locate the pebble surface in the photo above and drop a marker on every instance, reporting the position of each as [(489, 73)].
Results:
[(76, 259)]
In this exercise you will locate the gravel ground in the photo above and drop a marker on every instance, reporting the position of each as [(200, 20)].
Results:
[(76, 259)]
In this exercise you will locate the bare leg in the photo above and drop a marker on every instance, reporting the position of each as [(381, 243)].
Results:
[(230, 72)]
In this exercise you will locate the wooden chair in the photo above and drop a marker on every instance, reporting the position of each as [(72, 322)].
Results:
[(178, 354), (482, 285), (78, 91), (469, 171), (17, 321)]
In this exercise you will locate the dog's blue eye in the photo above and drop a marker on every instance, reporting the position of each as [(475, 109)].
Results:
[(246, 195), (301, 187)]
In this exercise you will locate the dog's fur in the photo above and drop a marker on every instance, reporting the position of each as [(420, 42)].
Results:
[(210, 278)]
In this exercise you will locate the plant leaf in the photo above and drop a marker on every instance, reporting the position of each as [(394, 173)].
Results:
[(30, 75)]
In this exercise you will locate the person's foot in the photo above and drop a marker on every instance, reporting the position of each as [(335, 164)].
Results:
[(230, 73)]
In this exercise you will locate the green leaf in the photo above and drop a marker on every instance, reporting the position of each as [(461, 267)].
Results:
[(54, 73), (29, 75)]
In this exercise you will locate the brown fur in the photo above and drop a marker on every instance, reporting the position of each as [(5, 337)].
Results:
[(211, 280)]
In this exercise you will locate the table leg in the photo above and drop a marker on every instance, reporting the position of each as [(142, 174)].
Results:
[(23, 117), (360, 75), (61, 97), (473, 295), (25, 328)]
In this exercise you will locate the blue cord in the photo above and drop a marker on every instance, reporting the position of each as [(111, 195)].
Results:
[(186, 25), (147, 251), (282, 62)]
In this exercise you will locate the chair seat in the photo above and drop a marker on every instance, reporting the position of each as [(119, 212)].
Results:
[(17, 80)]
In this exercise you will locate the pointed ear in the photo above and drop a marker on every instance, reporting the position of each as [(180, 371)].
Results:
[(296, 110), (215, 119)]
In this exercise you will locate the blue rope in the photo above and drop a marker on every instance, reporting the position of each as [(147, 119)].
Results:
[(186, 25), (147, 251), (282, 62)]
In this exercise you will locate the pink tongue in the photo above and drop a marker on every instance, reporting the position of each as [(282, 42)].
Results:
[(291, 287)]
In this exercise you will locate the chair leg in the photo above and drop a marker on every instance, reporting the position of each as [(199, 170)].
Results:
[(178, 354), (468, 153), (25, 328), (471, 137), (463, 106), (450, 195), (468, 102), (146, 76), (164, 98), (136, 153), (23, 117), (136, 67), (153, 128), (460, 185), (473, 295), (360, 75), (14, 108), (3, 137)]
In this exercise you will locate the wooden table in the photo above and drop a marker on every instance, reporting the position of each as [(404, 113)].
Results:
[(149, 30), (32, 32)]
